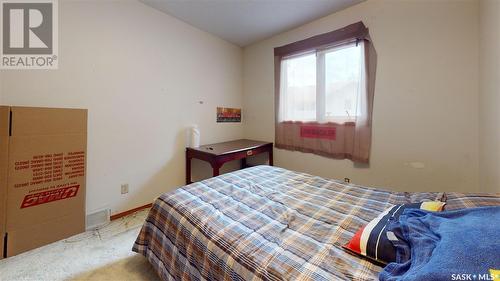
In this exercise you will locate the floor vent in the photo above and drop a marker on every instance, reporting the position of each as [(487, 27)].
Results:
[(98, 219)]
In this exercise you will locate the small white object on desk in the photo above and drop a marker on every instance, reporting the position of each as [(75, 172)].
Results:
[(194, 139)]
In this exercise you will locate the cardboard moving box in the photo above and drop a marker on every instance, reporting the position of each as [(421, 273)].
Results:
[(42, 176), (4, 153)]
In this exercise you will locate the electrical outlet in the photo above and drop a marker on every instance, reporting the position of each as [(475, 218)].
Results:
[(124, 188)]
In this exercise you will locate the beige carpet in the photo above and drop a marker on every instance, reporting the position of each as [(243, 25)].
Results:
[(103, 254)]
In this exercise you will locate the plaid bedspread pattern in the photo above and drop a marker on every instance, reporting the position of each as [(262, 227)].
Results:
[(268, 223)]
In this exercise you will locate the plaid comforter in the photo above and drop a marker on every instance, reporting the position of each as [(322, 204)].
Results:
[(269, 223)]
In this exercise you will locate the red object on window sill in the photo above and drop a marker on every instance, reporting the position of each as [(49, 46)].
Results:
[(318, 132)]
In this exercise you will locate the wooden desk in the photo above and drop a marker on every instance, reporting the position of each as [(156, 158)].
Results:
[(219, 153)]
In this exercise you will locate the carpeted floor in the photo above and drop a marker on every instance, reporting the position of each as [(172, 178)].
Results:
[(103, 254)]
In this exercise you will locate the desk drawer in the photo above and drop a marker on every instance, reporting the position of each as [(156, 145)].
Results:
[(243, 154)]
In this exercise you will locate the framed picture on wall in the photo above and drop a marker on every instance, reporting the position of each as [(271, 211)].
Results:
[(226, 114)]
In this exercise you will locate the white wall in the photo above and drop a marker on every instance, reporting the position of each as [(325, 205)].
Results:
[(140, 73), (489, 98), (426, 98)]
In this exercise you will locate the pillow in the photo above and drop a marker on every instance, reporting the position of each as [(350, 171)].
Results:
[(371, 241)]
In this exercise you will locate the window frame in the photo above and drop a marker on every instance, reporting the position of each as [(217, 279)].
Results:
[(320, 83)]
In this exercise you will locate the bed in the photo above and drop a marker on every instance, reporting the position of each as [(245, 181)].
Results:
[(268, 223)]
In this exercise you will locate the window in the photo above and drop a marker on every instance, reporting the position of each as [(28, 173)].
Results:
[(323, 86), (324, 89)]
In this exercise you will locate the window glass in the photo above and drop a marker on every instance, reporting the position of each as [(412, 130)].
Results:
[(342, 82), (322, 86), (298, 88)]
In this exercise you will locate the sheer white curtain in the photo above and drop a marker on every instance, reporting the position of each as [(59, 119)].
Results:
[(324, 86), (298, 88)]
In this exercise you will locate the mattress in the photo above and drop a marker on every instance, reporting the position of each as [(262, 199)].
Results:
[(268, 223)]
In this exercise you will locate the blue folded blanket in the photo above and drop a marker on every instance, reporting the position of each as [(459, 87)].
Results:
[(450, 245)]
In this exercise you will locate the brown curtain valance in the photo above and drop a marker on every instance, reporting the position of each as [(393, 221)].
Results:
[(355, 31), (340, 140)]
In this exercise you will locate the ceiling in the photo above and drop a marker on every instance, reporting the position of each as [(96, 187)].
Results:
[(243, 22)]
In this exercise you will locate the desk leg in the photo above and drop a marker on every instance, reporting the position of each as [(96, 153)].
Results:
[(271, 157), (243, 163), (188, 169), (216, 167)]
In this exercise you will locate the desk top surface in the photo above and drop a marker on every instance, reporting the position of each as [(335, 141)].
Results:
[(229, 146)]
